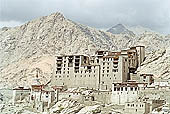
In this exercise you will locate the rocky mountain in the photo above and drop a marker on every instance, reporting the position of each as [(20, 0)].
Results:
[(33, 46), (120, 29)]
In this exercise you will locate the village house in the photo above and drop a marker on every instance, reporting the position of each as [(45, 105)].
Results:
[(137, 108), (143, 106)]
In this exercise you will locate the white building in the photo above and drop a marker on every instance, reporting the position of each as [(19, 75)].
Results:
[(137, 108), (124, 92)]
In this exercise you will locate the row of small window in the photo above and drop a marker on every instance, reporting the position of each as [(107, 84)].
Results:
[(133, 105), (121, 88), (113, 70), (75, 76), (64, 72), (86, 71), (106, 63), (107, 75), (109, 59)]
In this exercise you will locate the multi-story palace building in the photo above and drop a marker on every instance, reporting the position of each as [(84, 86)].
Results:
[(98, 71)]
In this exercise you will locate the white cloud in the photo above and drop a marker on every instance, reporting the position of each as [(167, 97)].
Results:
[(153, 14), (9, 23)]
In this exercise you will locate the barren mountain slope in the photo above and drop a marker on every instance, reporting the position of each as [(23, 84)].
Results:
[(33, 46)]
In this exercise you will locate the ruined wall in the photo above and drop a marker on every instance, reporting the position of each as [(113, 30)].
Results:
[(20, 95), (103, 96)]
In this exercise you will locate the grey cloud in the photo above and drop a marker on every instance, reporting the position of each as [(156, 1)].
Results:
[(154, 14)]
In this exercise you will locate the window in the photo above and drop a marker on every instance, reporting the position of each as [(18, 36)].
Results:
[(125, 88), (107, 67), (115, 70), (103, 67), (103, 63), (97, 60), (103, 71), (107, 71)]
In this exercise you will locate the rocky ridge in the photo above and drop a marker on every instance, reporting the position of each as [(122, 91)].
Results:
[(120, 29)]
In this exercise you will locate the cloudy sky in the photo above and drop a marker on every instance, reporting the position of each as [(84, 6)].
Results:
[(101, 14)]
